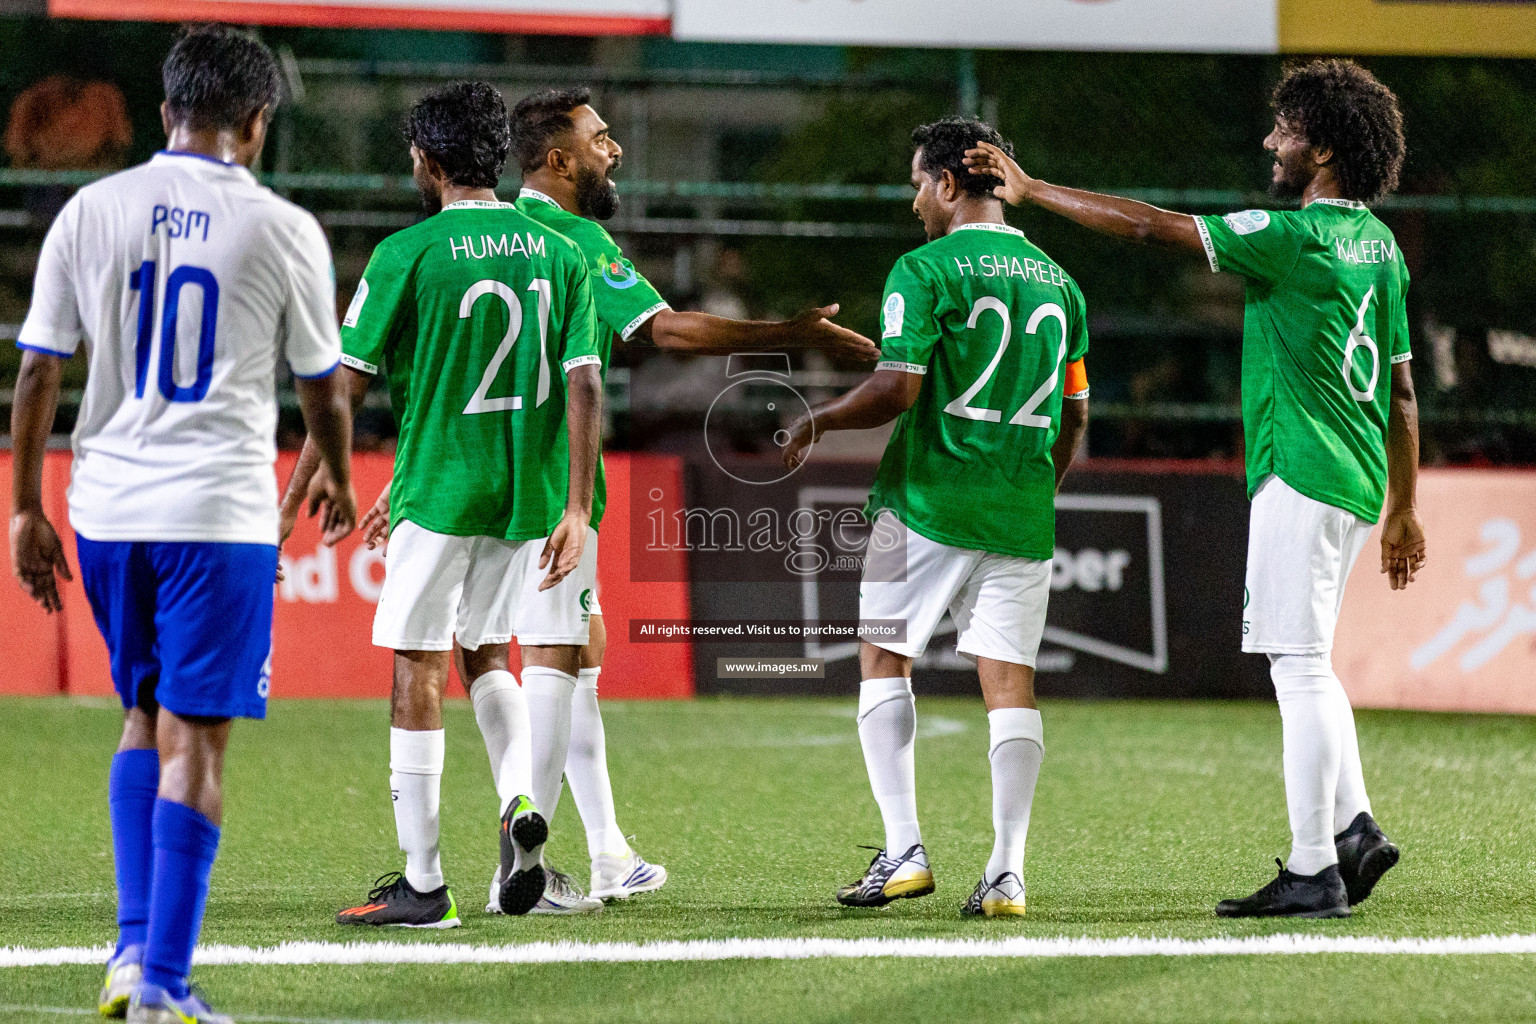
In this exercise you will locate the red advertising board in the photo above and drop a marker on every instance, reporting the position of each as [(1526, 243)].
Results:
[(324, 609), (1462, 637)]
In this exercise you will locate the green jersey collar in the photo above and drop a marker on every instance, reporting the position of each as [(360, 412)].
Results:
[(477, 204), (533, 193), (1347, 203), (981, 225)]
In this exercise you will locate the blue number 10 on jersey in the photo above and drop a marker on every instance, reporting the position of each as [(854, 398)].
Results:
[(142, 281)]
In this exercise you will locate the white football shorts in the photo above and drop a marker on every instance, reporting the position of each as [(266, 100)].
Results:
[(1300, 554), (998, 602), (563, 613), (480, 590)]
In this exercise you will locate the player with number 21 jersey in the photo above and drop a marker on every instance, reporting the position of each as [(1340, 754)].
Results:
[(475, 313)]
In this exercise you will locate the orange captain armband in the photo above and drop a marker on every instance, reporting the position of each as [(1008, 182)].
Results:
[(1077, 381)]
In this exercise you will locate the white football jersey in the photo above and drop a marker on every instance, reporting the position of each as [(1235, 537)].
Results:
[(185, 278)]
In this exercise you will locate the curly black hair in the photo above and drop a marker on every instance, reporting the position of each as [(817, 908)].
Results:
[(539, 119), (217, 77), (1339, 105), (944, 143), (464, 128)]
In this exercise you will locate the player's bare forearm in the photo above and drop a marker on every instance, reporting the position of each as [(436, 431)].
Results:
[(1110, 215), (584, 425), (1403, 547), (36, 552), (1402, 441), (1074, 424), (1121, 218), (328, 405), (880, 398), (704, 334), (355, 387), (32, 410)]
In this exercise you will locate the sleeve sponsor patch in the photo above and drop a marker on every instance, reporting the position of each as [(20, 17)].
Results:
[(894, 312), (1246, 222), (358, 298)]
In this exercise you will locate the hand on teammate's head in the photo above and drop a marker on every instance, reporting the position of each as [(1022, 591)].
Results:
[(989, 159)]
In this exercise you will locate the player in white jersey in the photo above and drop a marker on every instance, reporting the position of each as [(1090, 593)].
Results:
[(186, 280)]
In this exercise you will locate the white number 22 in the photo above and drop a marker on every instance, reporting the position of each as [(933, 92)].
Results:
[(478, 402), (1026, 416)]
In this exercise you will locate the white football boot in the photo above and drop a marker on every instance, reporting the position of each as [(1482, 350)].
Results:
[(620, 876)]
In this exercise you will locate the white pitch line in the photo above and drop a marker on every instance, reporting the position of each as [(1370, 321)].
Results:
[(303, 953)]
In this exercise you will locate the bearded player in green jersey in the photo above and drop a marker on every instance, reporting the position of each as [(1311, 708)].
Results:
[(1331, 426), (983, 336), (568, 155), (482, 320)]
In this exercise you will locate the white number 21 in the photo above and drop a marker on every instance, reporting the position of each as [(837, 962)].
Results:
[(1026, 416), (478, 402)]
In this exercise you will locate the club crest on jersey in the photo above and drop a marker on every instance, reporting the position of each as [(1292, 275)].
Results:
[(586, 600), (895, 310), (1247, 222), (617, 274)]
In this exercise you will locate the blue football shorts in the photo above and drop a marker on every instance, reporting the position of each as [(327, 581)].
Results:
[(188, 624)]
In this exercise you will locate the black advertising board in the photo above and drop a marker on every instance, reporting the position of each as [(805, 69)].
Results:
[(1147, 583)]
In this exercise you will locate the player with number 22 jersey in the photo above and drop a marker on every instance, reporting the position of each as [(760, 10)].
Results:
[(997, 328), (982, 338)]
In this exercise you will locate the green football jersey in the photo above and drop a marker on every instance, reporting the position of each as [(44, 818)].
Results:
[(624, 299), (991, 322), (476, 315), (1324, 316)]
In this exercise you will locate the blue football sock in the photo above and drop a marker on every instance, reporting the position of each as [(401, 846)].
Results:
[(131, 791), (185, 845)]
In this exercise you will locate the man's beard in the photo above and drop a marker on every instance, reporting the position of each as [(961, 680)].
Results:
[(1286, 187), (596, 194), (431, 198)]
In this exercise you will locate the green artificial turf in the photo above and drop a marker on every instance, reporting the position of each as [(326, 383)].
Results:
[(1147, 813)]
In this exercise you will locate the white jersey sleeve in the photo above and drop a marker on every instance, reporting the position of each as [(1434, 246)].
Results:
[(53, 321), (311, 342)]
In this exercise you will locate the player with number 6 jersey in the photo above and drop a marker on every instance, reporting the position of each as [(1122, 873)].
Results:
[(1331, 426), (982, 338)]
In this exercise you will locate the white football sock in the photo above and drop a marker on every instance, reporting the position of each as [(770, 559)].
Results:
[(586, 769), (548, 691), (887, 732), (1309, 717), (501, 711), (415, 781), (1349, 797), (1018, 747)]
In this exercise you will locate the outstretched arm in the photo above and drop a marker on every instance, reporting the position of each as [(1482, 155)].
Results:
[(1109, 215), (36, 551), (703, 334), (884, 395), (1403, 550)]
